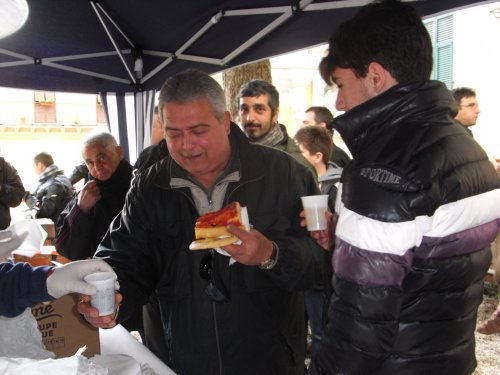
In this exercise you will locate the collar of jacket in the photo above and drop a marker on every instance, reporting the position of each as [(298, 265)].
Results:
[(466, 128), (287, 144), (247, 161), (415, 103), (50, 172)]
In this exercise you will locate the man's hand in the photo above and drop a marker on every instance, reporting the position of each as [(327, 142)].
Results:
[(254, 249), (30, 201), (69, 277), (10, 241), (322, 237), (91, 314), (88, 196)]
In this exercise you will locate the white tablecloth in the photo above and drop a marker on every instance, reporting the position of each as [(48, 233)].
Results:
[(118, 340)]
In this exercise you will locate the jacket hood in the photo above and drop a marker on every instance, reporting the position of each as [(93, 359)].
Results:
[(332, 173), (417, 104)]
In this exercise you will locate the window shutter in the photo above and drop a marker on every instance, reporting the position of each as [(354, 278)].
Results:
[(430, 25), (445, 64), (444, 44), (441, 33)]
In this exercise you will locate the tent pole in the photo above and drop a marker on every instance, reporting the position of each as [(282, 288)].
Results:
[(132, 77)]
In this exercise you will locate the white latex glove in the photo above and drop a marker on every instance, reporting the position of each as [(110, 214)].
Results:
[(69, 277), (10, 241)]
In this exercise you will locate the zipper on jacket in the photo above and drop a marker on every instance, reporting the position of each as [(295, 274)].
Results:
[(219, 354)]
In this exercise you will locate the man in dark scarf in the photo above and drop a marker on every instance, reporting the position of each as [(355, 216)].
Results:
[(85, 220)]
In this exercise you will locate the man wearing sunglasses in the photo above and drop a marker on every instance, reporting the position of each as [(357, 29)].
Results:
[(237, 314)]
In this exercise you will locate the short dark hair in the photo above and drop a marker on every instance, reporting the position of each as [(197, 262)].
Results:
[(321, 114), (258, 87), (462, 92), (44, 158), (315, 139), (388, 32)]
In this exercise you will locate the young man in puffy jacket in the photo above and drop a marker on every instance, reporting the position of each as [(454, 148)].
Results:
[(54, 189), (419, 205)]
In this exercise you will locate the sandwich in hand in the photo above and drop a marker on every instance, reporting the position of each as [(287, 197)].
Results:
[(210, 229)]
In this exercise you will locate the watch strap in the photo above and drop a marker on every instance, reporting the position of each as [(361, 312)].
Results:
[(269, 264)]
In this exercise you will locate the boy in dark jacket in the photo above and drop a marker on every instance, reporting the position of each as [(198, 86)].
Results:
[(316, 145)]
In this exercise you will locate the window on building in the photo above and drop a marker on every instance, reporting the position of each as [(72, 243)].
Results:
[(45, 107), (441, 32)]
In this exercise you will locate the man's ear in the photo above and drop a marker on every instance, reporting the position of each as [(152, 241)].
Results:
[(227, 121), (274, 118), (119, 151), (379, 78)]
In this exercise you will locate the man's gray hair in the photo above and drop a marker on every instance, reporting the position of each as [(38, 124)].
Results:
[(191, 85), (101, 138)]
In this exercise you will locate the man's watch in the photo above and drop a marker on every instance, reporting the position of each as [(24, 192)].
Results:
[(269, 264)]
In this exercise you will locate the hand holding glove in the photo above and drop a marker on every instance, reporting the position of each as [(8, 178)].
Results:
[(69, 277), (10, 241)]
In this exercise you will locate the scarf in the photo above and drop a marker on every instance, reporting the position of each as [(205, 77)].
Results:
[(272, 138), (51, 170), (114, 189)]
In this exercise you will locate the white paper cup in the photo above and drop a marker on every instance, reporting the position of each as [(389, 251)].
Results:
[(315, 207), (104, 299)]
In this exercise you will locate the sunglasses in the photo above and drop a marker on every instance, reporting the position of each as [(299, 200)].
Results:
[(215, 288)]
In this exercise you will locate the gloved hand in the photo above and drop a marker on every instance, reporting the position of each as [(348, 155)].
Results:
[(10, 241), (69, 277)]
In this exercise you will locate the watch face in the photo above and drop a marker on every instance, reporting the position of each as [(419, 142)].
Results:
[(271, 262), (267, 264)]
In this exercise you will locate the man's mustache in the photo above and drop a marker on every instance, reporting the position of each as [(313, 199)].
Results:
[(252, 124)]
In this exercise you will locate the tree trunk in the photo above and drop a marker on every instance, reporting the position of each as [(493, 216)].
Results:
[(233, 79)]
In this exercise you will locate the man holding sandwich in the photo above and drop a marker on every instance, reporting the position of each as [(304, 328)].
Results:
[(237, 314)]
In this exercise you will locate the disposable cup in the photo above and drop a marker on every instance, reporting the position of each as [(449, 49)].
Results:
[(315, 207), (104, 299)]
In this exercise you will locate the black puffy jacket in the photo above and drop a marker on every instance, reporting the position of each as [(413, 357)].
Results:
[(261, 330), (52, 194), (419, 203)]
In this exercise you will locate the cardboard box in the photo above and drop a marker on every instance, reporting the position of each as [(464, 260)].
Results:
[(63, 330), (43, 257)]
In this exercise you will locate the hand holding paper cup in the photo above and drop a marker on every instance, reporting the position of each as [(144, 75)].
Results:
[(315, 207), (104, 299)]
